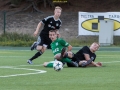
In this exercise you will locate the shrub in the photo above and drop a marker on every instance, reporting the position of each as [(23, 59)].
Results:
[(15, 39)]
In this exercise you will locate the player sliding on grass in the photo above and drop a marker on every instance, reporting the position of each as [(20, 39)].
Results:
[(58, 50), (84, 55)]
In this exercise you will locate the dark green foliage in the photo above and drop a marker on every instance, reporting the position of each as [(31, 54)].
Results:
[(88, 40), (16, 2), (15, 39)]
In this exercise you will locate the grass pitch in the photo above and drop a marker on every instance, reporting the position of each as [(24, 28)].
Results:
[(16, 74)]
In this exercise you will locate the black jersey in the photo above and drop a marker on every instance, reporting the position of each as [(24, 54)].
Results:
[(80, 54), (50, 24)]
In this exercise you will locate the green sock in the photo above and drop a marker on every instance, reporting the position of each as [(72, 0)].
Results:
[(49, 65), (67, 60)]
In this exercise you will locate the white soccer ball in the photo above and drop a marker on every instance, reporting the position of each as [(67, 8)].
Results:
[(57, 65)]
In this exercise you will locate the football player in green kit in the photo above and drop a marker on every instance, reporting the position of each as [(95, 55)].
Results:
[(57, 46)]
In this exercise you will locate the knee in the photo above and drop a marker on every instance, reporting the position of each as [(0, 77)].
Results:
[(70, 54), (45, 64), (38, 48), (41, 49), (57, 57)]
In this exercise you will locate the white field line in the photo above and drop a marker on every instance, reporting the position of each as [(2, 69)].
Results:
[(21, 57), (32, 65), (111, 62), (28, 50), (13, 50), (36, 70), (51, 57), (13, 75), (42, 64)]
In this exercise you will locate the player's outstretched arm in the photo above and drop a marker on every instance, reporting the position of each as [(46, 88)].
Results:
[(37, 29)]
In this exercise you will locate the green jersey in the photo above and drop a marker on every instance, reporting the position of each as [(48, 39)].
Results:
[(58, 45)]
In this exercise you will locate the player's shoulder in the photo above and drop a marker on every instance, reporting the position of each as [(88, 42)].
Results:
[(85, 47), (49, 16), (59, 39), (60, 20)]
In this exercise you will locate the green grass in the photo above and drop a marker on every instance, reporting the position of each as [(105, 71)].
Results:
[(13, 62)]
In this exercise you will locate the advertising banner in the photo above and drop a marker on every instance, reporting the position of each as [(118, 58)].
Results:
[(89, 22)]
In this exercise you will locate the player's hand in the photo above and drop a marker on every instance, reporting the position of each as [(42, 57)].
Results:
[(35, 33), (98, 65)]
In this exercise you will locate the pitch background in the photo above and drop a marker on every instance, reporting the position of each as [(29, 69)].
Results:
[(16, 74)]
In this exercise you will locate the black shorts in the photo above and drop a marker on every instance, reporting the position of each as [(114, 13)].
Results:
[(74, 59), (70, 65), (45, 40)]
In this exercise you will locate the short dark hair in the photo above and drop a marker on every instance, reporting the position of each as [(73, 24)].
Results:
[(53, 31)]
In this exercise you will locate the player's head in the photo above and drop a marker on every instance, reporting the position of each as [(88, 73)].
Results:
[(94, 47), (57, 11), (53, 35)]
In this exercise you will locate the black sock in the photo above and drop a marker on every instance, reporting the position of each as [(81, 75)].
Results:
[(36, 55)]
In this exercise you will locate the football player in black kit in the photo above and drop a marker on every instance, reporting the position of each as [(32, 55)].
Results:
[(50, 23), (85, 56)]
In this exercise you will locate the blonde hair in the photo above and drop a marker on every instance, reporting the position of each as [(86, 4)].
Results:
[(97, 43), (58, 7)]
